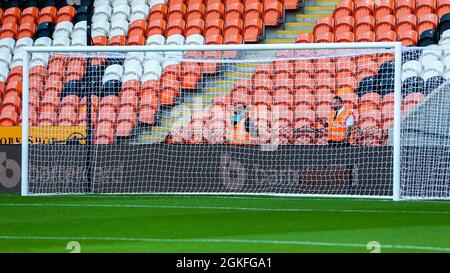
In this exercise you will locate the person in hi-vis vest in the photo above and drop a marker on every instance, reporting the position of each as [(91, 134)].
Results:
[(242, 129), (339, 123)]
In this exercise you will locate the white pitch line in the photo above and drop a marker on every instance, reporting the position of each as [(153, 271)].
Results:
[(261, 197), (222, 208), (237, 241)]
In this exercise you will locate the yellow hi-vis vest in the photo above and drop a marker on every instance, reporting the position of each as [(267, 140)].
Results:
[(337, 128)]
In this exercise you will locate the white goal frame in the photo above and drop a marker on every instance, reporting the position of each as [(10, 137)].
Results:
[(396, 46)]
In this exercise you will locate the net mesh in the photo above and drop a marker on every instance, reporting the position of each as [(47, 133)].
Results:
[(425, 142), (212, 122)]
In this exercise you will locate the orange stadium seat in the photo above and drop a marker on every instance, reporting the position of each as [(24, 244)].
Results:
[(234, 26), (363, 8), (117, 40), (65, 13), (214, 26), (304, 99), (8, 116), (366, 37), (175, 26), (14, 86), (234, 10), (71, 100), (303, 84), (406, 22), (387, 36), (344, 24), (291, 4), (304, 68), (195, 26), (214, 11), (9, 30), (47, 116), (196, 10), (67, 116), (47, 14), (442, 8), (158, 11), (190, 75), (344, 37), (104, 134), (29, 15), (126, 121), (404, 7), (364, 24), (12, 99), (427, 22), (11, 15), (156, 26), (138, 28), (385, 23), (327, 37), (324, 25), (273, 11), (350, 100), (305, 38), (370, 101), (262, 96), (177, 11), (384, 7), (344, 8), (424, 7), (409, 37), (253, 29), (253, 11), (170, 89)]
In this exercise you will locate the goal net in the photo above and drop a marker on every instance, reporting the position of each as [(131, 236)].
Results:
[(425, 124), (251, 120)]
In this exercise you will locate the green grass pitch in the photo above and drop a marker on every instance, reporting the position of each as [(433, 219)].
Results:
[(188, 223)]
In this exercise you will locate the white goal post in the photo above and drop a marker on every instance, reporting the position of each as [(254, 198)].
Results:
[(185, 164)]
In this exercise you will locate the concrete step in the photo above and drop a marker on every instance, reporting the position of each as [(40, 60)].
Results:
[(310, 17), (291, 34), (299, 25), (280, 41), (324, 3), (149, 139), (319, 9), (238, 74), (215, 90)]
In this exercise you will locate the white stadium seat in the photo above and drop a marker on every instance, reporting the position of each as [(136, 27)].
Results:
[(113, 72), (430, 74), (414, 66), (152, 67), (43, 41), (409, 74), (156, 40), (121, 11), (133, 67), (7, 43), (65, 27), (151, 3), (4, 72), (5, 56), (176, 39), (139, 56), (195, 39), (61, 41)]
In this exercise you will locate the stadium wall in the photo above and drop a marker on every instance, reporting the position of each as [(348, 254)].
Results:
[(10, 169), (290, 169)]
